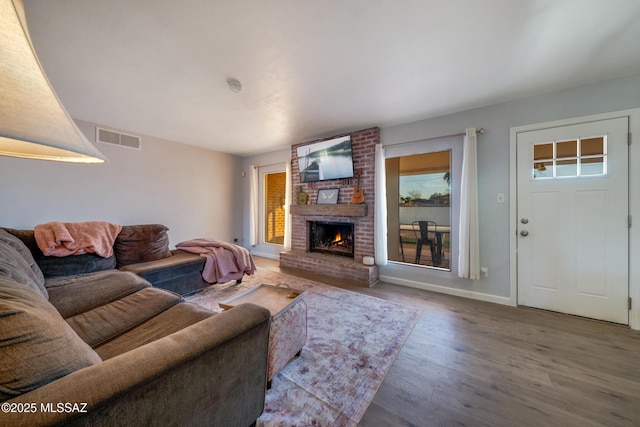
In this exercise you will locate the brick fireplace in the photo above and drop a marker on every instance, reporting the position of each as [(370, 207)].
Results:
[(360, 216)]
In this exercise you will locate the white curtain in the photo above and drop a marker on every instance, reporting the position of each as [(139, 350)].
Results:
[(254, 206), (287, 206), (469, 245), (380, 217)]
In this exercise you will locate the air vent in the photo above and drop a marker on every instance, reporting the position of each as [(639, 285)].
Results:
[(117, 138)]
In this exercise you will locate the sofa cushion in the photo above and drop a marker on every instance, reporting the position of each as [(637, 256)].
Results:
[(74, 264), (17, 263), (73, 295), (141, 243), (110, 320), (164, 324), (36, 344)]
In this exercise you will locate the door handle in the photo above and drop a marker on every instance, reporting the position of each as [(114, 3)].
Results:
[(524, 233)]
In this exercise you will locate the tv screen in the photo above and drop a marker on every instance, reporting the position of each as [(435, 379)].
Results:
[(331, 159)]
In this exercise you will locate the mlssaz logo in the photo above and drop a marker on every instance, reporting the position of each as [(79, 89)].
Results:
[(65, 407)]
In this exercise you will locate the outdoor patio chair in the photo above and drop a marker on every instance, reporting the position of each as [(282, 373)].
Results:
[(425, 232)]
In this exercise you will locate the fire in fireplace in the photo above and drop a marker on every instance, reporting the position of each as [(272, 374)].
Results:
[(331, 237)]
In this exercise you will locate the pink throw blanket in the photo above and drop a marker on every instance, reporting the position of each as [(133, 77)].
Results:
[(76, 238), (225, 261)]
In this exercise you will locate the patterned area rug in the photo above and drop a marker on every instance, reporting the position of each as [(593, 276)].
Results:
[(352, 340)]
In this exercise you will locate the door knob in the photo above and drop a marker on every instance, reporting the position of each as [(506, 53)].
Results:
[(524, 233), (524, 221)]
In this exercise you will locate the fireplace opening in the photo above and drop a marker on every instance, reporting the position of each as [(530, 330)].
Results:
[(331, 237)]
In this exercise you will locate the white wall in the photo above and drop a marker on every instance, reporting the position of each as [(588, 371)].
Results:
[(193, 191), (493, 167)]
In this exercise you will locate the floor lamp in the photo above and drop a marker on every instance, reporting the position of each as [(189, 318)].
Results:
[(33, 122)]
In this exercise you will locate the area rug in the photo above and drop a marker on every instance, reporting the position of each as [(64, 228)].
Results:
[(352, 340)]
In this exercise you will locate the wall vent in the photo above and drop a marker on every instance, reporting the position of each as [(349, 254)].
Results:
[(118, 138)]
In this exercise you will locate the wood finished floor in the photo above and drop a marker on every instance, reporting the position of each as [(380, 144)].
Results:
[(470, 363)]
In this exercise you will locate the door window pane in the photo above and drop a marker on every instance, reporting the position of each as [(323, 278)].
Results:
[(543, 169), (542, 151), (567, 167), (592, 146), (592, 166), (566, 149)]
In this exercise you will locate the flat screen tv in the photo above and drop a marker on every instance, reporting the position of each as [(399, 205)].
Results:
[(324, 160)]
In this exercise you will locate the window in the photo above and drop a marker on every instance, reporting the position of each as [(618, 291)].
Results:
[(274, 213), (419, 209), (574, 158)]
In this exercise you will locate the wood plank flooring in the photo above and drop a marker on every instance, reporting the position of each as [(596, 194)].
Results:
[(471, 363)]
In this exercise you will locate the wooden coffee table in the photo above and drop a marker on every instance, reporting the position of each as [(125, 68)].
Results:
[(288, 332)]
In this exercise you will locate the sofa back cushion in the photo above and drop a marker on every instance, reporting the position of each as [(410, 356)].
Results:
[(53, 266), (36, 344), (74, 264), (17, 264), (141, 243)]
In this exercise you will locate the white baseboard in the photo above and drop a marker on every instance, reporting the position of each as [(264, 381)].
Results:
[(449, 291), (265, 255)]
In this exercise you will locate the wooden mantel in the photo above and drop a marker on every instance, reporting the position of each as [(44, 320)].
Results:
[(339, 209)]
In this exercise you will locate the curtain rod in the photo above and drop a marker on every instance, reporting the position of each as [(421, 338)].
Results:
[(481, 130), (271, 164)]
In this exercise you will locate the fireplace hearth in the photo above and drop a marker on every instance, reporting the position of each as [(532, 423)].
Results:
[(331, 237)]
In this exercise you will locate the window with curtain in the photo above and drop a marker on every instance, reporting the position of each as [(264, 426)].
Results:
[(423, 203), (419, 209)]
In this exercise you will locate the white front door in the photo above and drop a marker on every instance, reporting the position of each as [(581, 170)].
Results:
[(573, 219)]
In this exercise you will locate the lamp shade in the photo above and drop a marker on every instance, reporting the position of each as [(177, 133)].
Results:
[(33, 122)]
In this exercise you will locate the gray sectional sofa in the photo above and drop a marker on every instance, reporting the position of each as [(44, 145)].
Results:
[(105, 347)]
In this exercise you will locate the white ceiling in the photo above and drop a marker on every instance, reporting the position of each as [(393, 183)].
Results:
[(315, 68)]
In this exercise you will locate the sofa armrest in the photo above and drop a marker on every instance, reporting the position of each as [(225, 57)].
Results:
[(212, 373)]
